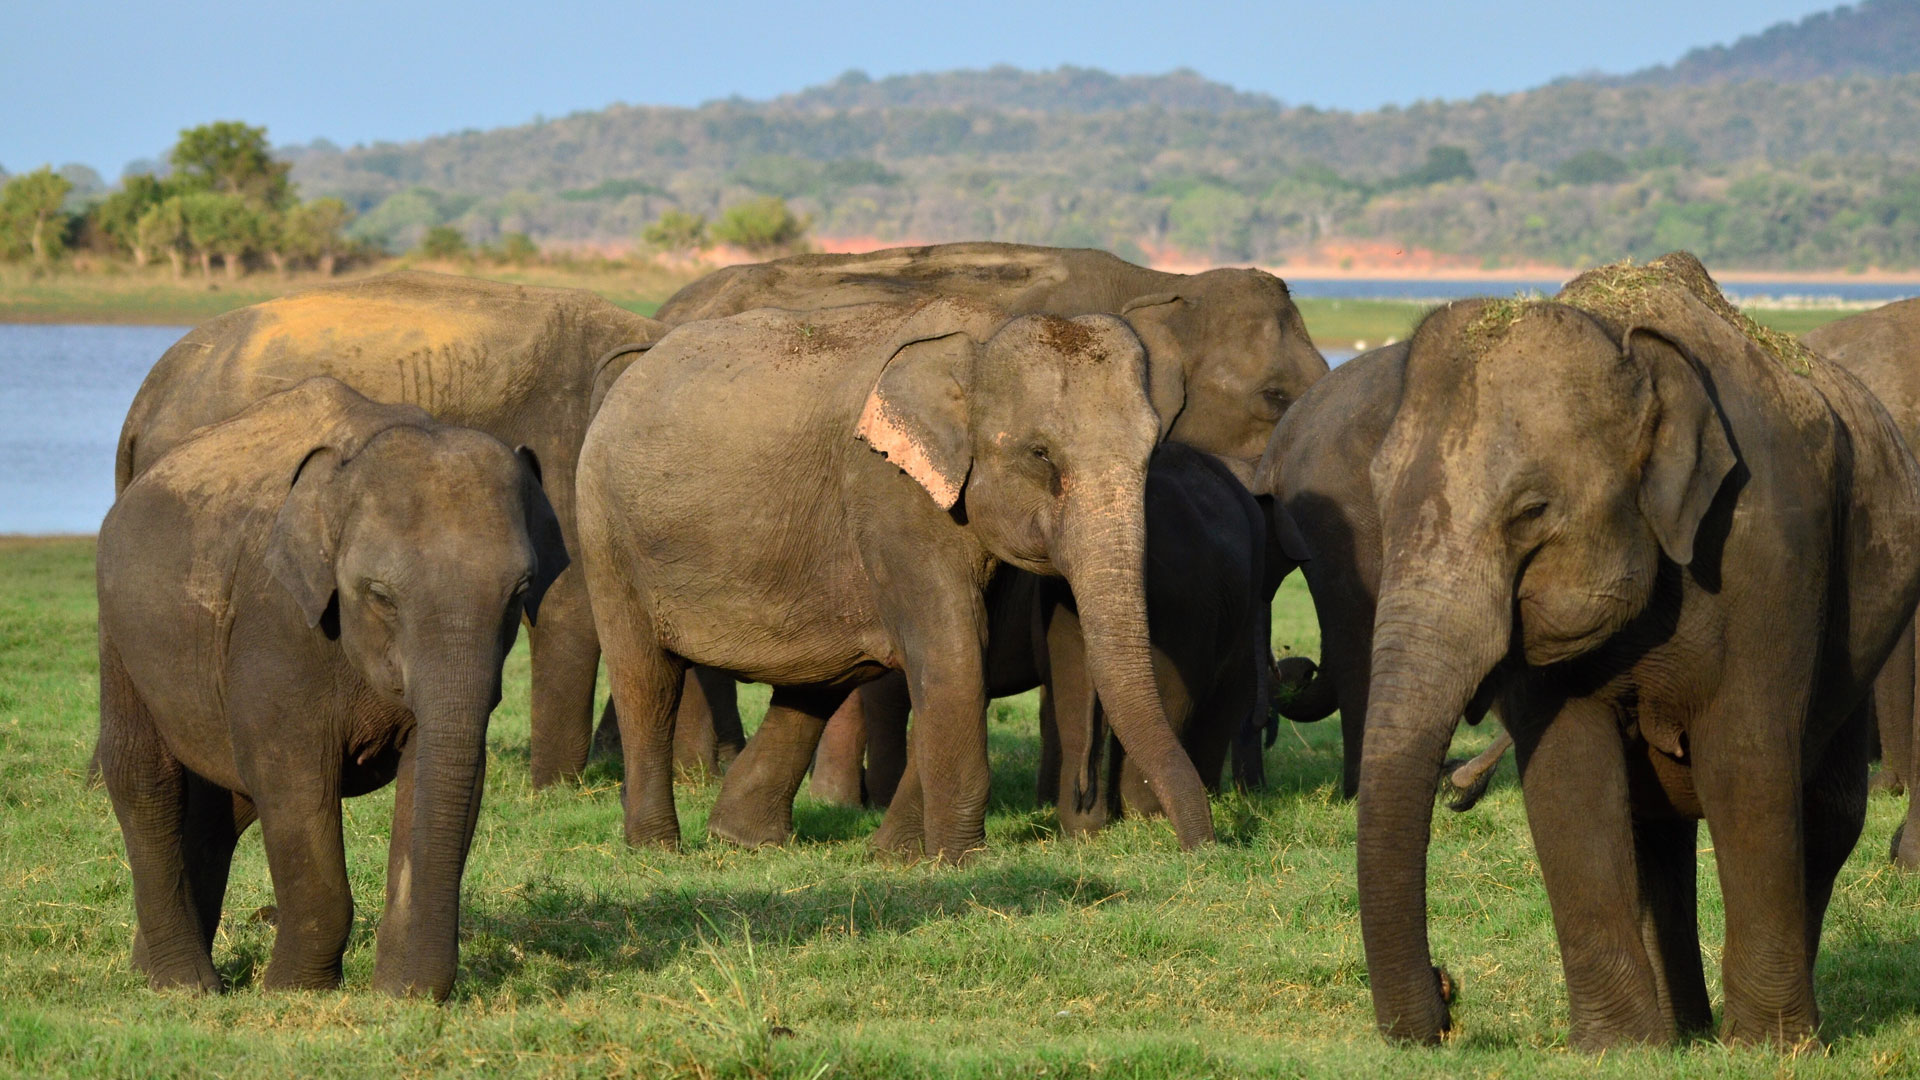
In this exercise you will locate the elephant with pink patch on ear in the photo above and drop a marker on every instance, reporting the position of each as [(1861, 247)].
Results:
[(811, 499)]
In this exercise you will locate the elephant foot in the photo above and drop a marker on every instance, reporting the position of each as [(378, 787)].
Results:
[(1901, 853), (728, 822), (1886, 781), (898, 841)]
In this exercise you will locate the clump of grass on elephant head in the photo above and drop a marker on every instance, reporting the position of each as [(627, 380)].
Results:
[(1623, 292)]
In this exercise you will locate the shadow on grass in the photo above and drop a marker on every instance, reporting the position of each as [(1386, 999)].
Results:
[(1868, 984), (585, 934)]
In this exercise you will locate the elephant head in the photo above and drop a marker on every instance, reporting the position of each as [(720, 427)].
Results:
[(417, 548), (1230, 353), (1541, 471), (1038, 441)]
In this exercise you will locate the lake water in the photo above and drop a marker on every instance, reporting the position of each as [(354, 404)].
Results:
[(63, 392)]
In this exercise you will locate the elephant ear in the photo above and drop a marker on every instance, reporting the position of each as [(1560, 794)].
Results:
[(300, 549), (1152, 317), (543, 531), (916, 415), (1691, 454)]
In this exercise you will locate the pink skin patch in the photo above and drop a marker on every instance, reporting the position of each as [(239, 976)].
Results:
[(883, 431)]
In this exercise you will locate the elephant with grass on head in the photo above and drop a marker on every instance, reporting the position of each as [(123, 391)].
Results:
[(1674, 547), (522, 364), (299, 605), (811, 499)]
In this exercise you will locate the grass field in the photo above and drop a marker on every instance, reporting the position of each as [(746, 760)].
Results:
[(152, 296), (1116, 957)]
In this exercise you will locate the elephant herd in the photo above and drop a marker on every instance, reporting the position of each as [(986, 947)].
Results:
[(1674, 551)]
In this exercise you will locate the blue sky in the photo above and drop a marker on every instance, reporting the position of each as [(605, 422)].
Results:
[(103, 82)]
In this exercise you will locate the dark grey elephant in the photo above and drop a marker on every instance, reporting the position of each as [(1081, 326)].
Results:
[(897, 457), (1882, 349), (521, 363), (1676, 547), (299, 605)]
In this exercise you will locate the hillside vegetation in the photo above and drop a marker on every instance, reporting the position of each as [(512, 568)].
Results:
[(1875, 37), (1792, 149)]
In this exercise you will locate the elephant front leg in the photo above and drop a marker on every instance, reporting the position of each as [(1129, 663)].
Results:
[(565, 659), (390, 942), (755, 806), (948, 756), (1574, 777), (1749, 784), (1835, 809), (300, 825), (1893, 706)]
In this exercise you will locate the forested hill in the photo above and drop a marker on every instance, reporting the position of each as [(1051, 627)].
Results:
[(1875, 37), (1064, 89)]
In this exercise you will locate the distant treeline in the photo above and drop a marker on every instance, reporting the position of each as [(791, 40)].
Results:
[(225, 197), (1815, 174)]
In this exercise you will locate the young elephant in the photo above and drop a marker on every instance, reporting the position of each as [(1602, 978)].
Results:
[(522, 364), (895, 457), (298, 605), (1207, 569), (1677, 547)]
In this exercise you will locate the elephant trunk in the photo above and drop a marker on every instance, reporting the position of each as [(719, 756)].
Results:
[(1102, 554), (1436, 638), (1309, 703), (449, 767)]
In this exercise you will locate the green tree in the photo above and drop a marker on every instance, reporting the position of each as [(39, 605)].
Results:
[(30, 213), (316, 230), (676, 232), (232, 158), (515, 249), (761, 226), (1443, 163), (1592, 167), (119, 214), (443, 242), (163, 228), (221, 224)]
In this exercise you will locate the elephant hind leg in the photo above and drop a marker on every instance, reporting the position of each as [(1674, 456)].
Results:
[(755, 807), (215, 819), (836, 763), (149, 792), (565, 654), (1665, 856)]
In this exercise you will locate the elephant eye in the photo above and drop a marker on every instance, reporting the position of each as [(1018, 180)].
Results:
[(378, 595), (1530, 513), (1040, 453)]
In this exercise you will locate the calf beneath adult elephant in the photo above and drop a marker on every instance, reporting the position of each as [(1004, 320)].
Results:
[(812, 498), (299, 605), (1676, 547), (1209, 587)]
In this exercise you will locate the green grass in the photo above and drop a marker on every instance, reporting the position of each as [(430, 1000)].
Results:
[(1119, 956)]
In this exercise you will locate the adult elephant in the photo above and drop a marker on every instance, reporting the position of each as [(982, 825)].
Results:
[(520, 363), (1229, 350), (1882, 349), (811, 498), (1677, 547)]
